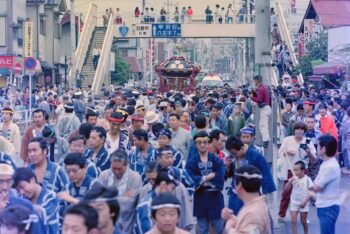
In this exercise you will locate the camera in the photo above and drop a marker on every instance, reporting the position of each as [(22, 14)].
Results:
[(304, 146)]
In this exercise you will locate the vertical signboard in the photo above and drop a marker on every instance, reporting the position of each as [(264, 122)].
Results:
[(28, 39)]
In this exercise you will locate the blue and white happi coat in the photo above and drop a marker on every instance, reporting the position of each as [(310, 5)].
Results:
[(55, 178)]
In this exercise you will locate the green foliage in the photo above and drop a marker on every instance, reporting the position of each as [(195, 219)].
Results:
[(122, 71), (316, 53)]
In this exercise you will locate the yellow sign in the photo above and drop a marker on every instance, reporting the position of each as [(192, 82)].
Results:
[(28, 39)]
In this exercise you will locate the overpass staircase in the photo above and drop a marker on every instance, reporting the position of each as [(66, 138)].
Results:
[(88, 70)]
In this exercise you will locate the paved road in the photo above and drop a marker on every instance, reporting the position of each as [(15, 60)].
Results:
[(343, 222)]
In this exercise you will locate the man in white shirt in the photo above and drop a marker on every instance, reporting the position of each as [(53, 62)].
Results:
[(326, 185)]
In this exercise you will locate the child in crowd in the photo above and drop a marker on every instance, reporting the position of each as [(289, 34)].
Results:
[(300, 197)]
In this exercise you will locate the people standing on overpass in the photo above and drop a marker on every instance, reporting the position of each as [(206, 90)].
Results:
[(189, 14), (217, 14), (146, 15), (208, 15), (152, 15), (183, 14), (118, 16), (137, 15), (230, 14), (162, 15), (176, 15)]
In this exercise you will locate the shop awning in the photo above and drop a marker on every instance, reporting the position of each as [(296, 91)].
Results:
[(135, 64), (315, 78), (329, 69)]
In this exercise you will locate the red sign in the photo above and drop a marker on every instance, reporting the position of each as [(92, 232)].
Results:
[(18, 69), (6, 61)]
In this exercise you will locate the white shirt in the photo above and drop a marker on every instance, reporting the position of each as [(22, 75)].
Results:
[(328, 178)]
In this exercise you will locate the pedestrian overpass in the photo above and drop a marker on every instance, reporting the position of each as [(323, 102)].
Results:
[(132, 29)]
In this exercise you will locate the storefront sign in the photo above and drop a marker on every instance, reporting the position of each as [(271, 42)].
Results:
[(28, 39), (6, 62)]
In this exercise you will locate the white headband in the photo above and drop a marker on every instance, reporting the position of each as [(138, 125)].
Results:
[(166, 206), (249, 176)]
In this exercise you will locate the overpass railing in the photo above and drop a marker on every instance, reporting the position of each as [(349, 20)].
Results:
[(103, 64), (85, 37), (282, 26)]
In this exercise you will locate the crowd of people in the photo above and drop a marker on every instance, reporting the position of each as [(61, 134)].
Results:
[(233, 13), (139, 161)]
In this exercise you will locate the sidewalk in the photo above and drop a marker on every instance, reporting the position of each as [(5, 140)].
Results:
[(343, 221)]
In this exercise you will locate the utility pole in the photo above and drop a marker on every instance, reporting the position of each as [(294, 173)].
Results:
[(73, 42), (143, 6), (263, 68)]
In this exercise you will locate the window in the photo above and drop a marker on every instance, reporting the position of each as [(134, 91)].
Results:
[(57, 30), (3, 34), (124, 52), (20, 33), (42, 26)]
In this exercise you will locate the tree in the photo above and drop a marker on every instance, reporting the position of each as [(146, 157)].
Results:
[(122, 71), (316, 51)]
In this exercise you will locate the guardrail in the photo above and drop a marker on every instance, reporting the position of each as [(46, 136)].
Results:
[(282, 26), (84, 40), (102, 67), (129, 18)]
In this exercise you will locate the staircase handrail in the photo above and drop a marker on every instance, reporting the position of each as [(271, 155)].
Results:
[(85, 37), (102, 67), (282, 26)]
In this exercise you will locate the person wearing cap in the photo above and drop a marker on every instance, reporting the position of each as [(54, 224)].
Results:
[(287, 115), (215, 120), (78, 106), (59, 111), (152, 101), (140, 110), (309, 106), (58, 146), (80, 181), (208, 173), (143, 152), (68, 122), (97, 152), (162, 111), (91, 116), (164, 183), (164, 139), (35, 130), (137, 122), (104, 122), (262, 98), (243, 154), (247, 137), (180, 137), (165, 160), (117, 137), (24, 181), (165, 211), (235, 122), (254, 216), (104, 200), (10, 131), (128, 183), (8, 199)]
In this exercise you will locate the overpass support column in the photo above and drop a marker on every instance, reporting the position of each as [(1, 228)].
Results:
[(263, 67)]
